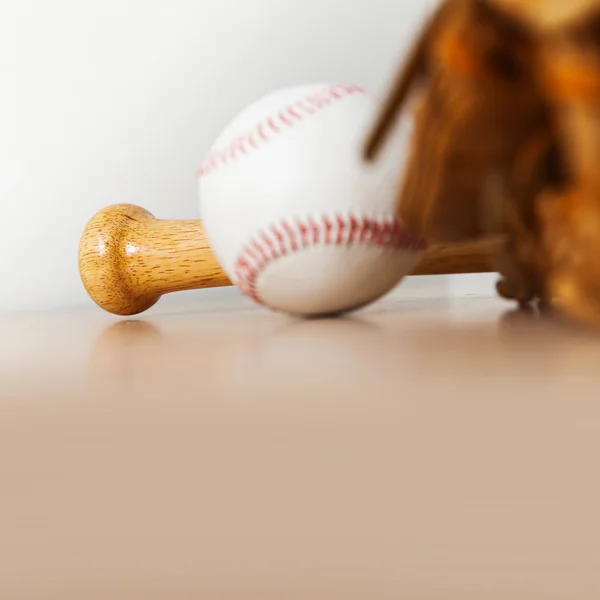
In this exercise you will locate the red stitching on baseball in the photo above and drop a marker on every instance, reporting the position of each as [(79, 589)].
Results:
[(303, 229), (290, 235), (305, 108), (261, 132), (294, 113), (285, 119), (276, 124), (279, 237), (341, 229), (281, 240)]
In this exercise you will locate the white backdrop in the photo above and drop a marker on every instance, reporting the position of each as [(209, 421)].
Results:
[(117, 101)]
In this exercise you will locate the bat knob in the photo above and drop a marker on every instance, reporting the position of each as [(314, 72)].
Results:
[(109, 259)]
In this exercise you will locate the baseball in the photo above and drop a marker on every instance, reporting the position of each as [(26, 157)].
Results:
[(295, 217)]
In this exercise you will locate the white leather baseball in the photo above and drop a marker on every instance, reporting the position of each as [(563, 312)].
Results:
[(298, 221)]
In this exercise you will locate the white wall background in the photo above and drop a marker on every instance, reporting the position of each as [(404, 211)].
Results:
[(105, 101)]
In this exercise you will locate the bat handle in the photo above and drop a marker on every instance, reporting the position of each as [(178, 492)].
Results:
[(128, 259)]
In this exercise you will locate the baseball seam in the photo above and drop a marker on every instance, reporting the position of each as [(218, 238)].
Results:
[(274, 125), (287, 237)]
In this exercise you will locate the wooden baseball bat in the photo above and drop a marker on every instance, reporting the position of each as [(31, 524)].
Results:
[(128, 259)]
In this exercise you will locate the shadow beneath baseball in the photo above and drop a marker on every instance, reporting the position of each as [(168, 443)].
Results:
[(343, 324), (305, 352)]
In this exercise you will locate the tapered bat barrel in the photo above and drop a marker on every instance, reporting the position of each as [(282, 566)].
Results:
[(128, 259)]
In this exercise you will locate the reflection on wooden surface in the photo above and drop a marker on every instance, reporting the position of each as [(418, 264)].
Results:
[(431, 449)]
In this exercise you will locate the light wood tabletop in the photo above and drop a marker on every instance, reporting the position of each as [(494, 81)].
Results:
[(432, 447)]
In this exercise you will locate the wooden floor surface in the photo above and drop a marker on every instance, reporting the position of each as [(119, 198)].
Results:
[(433, 448)]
